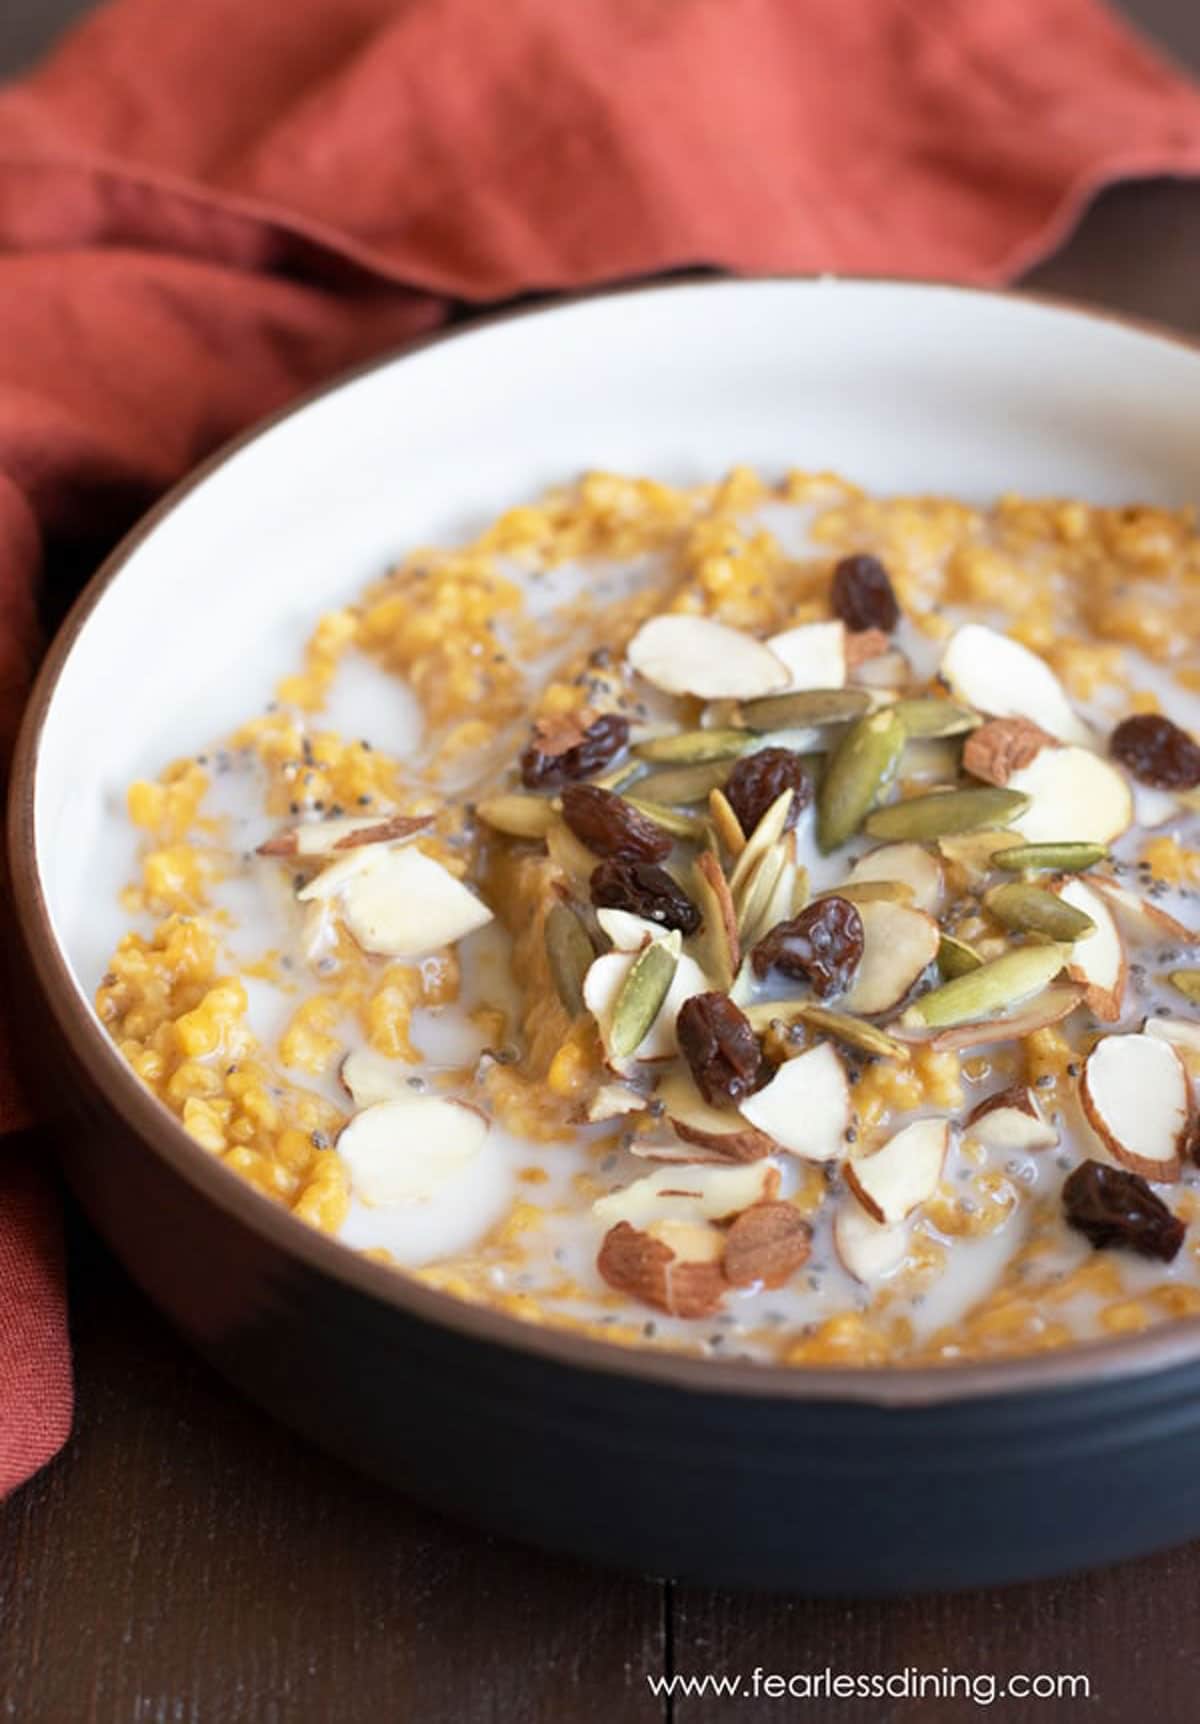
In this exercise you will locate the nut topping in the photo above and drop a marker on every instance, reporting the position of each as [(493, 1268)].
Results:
[(648, 1269), (766, 1244), (1001, 746)]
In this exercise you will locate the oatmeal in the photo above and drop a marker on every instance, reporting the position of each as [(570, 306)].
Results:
[(776, 937)]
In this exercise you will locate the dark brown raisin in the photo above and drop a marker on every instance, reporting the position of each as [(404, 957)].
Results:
[(822, 945), (719, 1045), (647, 890), (1111, 1206), (1157, 752), (545, 766), (759, 778), (610, 827), (862, 594)]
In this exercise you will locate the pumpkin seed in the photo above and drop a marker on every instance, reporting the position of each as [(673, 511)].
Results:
[(1187, 982), (989, 988), (956, 958), (853, 1032), (618, 775), (574, 858), (947, 811), (690, 747), (518, 816), (1065, 858), (726, 824), (1034, 910), (805, 706), (871, 892), (933, 718), (569, 952), (719, 714), (863, 764), (685, 826), (675, 784), (642, 994)]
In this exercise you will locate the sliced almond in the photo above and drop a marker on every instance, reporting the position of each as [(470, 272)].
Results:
[(997, 675), (869, 1249), (975, 852), (628, 933), (721, 1131), (1075, 796), (721, 946), (904, 1173), (1011, 1122), (399, 903), (408, 1150), (725, 823), (899, 944), (814, 654), (1050, 1007), (766, 1245), (614, 1101), (648, 1269), (1097, 960), (323, 837), (766, 834), (910, 865), (806, 1106), (518, 816), (760, 889), (875, 670), (1180, 1032), (369, 1077), (1153, 807), (1002, 746), (574, 859), (697, 1191), (1142, 916), (693, 655), (1134, 1091)]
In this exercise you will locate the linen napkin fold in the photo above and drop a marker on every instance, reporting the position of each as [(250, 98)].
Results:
[(207, 206)]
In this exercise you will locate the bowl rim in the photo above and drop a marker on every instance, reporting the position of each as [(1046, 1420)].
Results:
[(1084, 1364)]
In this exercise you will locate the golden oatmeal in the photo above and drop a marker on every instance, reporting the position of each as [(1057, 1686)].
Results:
[(755, 918)]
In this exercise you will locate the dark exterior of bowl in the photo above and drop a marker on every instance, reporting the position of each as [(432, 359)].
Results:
[(820, 1495), (831, 1481)]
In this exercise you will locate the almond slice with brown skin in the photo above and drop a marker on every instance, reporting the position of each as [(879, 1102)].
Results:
[(697, 1191), (614, 1101), (721, 1131), (813, 654), (910, 865), (408, 1150), (683, 654), (1182, 1033), (995, 674), (868, 1249), (720, 944), (627, 931), (806, 1106), (766, 1245), (654, 1271), (1135, 1093), (370, 1077), (324, 837), (904, 1173), (1075, 797), (1051, 1006), (399, 903), (1098, 959), (1142, 916), (602, 989), (899, 944), (1011, 1121)]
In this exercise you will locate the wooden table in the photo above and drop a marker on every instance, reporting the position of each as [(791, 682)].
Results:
[(186, 1561)]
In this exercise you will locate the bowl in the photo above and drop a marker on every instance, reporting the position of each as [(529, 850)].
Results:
[(855, 1480)]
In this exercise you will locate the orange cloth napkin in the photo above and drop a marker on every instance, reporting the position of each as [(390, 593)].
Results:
[(208, 205)]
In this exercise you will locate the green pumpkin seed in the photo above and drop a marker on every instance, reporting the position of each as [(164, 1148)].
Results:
[(518, 816), (1186, 982), (642, 994), (991, 988), (1034, 910), (690, 747), (1066, 858), (686, 826), (675, 784), (841, 1026), (569, 953), (864, 763), (956, 958), (805, 706), (871, 892), (617, 775), (947, 811), (933, 718)]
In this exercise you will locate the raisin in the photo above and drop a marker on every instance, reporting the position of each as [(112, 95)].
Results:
[(1157, 752), (862, 594), (759, 778), (608, 826), (822, 945), (645, 889), (545, 767), (720, 1047), (1111, 1206)]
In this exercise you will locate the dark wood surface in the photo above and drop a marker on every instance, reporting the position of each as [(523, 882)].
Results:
[(186, 1561)]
